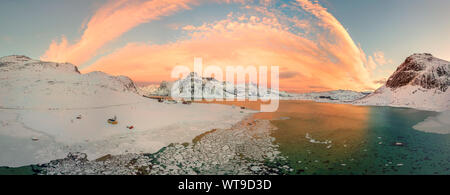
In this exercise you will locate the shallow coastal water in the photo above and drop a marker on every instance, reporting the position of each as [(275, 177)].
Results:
[(324, 138)]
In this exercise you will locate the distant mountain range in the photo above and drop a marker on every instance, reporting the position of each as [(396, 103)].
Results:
[(218, 90), (336, 96), (420, 82), (212, 88)]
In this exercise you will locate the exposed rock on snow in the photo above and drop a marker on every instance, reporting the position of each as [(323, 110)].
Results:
[(421, 70), (43, 100), (420, 82), (77, 156)]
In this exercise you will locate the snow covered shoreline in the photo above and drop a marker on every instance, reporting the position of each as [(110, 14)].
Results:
[(49, 109), (38, 136)]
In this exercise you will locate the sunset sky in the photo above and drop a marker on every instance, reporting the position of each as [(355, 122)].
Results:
[(319, 45)]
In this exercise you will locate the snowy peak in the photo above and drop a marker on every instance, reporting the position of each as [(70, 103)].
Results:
[(116, 83), (21, 62), (420, 82), (15, 58), (423, 70)]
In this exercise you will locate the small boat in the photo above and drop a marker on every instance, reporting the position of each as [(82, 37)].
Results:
[(34, 139), (113, 121)]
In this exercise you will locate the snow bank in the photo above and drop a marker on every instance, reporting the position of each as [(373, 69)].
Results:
[(439, 124), (409, 96)]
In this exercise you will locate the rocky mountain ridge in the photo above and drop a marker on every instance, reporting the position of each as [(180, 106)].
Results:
[(420, 82)]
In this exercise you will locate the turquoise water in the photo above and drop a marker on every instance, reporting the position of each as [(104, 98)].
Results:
[(357, 140), (25, 170)]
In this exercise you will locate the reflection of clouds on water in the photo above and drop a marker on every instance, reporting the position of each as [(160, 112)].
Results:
[(435, 124)]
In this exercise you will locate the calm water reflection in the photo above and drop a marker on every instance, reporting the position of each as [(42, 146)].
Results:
[(322, 138)]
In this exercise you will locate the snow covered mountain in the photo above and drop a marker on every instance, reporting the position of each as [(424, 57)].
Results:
[(193, 86), (337, 96), (28, 83), (421, 82), (217, 89), (162, 90)]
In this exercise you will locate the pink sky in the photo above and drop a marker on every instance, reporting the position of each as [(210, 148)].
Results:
[(314, 52)]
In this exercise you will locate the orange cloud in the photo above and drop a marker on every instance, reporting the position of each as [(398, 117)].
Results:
[(314, 53), (108, 23), (330, 59)]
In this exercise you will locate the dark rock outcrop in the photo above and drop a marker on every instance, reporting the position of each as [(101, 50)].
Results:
[(423, 70)]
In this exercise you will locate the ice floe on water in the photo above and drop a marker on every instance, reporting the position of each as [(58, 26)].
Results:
[(308, 137), (439, 124), (246, 148)]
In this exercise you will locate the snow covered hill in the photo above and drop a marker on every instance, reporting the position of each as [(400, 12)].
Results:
[(27, 83), (49, 109), (420, 82), (213, 88)]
